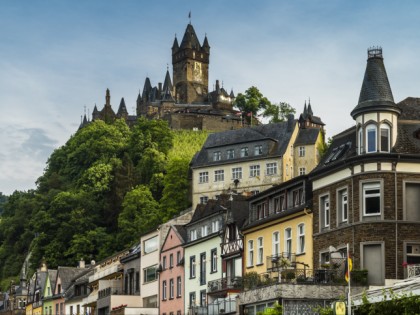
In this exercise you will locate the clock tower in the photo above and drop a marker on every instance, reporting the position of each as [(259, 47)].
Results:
[(190, 62)]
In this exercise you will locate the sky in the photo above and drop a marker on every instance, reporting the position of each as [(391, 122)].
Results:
[(58, 58)]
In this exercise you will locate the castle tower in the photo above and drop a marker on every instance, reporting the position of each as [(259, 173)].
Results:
[(190, 63), (376, 113)]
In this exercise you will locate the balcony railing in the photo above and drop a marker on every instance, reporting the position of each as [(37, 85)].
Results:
[(110, 291), (413, 271), (224, 284), (281, 261)]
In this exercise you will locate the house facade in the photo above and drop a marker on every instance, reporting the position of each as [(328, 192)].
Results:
[(171, 276), (366, 189), (253, 159)]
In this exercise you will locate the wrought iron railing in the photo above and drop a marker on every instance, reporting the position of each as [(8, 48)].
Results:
[(413, 271), (224, 284), (281, 261)]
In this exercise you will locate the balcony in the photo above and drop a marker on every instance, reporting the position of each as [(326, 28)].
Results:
[(110, 291), (281, 261), (111, 270), (224, 284), (413, 271)]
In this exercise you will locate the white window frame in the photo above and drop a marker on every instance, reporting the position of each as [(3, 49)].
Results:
[(204, 230), (237, 173), (258, 150), (325, 207), (250, 260), (217, 156), (343, 205), (385, 127), (204, 199), (360, 139), (271, 168), (288, 241), (371, 128), (254, 170), (178, 286), (302, 170), (203, 177), (192, 267), (230, 154), (374, 185), (171, 288), (213, 266), (244, 152), (260, 250), (219, 175), (275, 251), (301, 238), (301, 151), (215, 226), (193, 235)]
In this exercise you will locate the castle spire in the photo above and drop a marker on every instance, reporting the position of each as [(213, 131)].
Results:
[(108, 98)]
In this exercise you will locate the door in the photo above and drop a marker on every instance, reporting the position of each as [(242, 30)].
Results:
[(373, 262)]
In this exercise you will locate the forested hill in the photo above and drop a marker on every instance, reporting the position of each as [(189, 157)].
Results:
[(99, 192)]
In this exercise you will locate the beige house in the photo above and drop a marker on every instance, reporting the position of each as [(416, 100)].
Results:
[(254, 159)]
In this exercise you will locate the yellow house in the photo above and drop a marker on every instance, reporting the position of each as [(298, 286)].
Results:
[(251, 160), (278, 235)]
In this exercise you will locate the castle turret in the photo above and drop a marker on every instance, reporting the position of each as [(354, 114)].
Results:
[(122, 110), (376, 112)]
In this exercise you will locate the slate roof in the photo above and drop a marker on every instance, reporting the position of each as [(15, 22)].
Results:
[(67, 274), (278, 133), (307, 136), (182, 232), (375, 93), (190, 39)]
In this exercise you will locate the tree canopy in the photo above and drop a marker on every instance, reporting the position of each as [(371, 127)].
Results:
[(107, 185)]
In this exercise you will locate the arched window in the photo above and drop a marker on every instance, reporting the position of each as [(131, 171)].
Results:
[(371, 139), (385, 137), (360, 139)]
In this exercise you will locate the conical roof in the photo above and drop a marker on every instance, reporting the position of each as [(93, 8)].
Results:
[(167, 84), (190, 39), (375, 94), (122, 110)]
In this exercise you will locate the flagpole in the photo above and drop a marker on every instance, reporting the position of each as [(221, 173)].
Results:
[(349, 294)]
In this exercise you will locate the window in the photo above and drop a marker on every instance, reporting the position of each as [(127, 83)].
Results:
[(301, 238), (217, 156), (254, 171), (171, 288), (301, 151), (371, 138), (385, 138), (150, 301), (151, 245), (137, 281), (204, 199), (192, 299), (202, 268), (150, 273), (360, 138), (204, 230), (250, 261), (203, 177), (342, 206), (244, 152), (193, 235), (262, 211), (213, 254), (258, 150), (230, 154), (288, 242), (276, 244), (203, 298), (237, 173), (164, 262), (298, 197), (302, 170), (215, 226), (219, 176), (171, 260), (260, 250), (371, 199), (192, 267), (412, 201), (272, 168), (178, 287), (178, 257), (164, 290), (280, 203), (325, 211)]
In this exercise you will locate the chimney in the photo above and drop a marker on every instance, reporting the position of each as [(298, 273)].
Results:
[(82, 264)]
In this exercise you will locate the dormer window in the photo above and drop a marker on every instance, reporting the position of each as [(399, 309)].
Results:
[(258, 150), (244, 152), (230, 154), (217, 156)]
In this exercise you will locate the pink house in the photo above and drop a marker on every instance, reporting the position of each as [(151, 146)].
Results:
[(171, 278)]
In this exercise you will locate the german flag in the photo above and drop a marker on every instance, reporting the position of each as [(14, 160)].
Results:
[(348, 268)]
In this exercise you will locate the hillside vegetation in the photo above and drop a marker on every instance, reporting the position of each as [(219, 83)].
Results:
[(106, 186)]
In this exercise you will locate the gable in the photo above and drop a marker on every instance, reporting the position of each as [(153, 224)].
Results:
[(172, 240)]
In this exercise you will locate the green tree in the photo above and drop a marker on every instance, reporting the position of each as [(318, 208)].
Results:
[(140, 213), (278, 112), (251, 102)]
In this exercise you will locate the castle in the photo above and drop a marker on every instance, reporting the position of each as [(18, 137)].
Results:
[(184, 101)]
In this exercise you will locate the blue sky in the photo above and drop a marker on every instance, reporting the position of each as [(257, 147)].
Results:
[(58, 56)]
